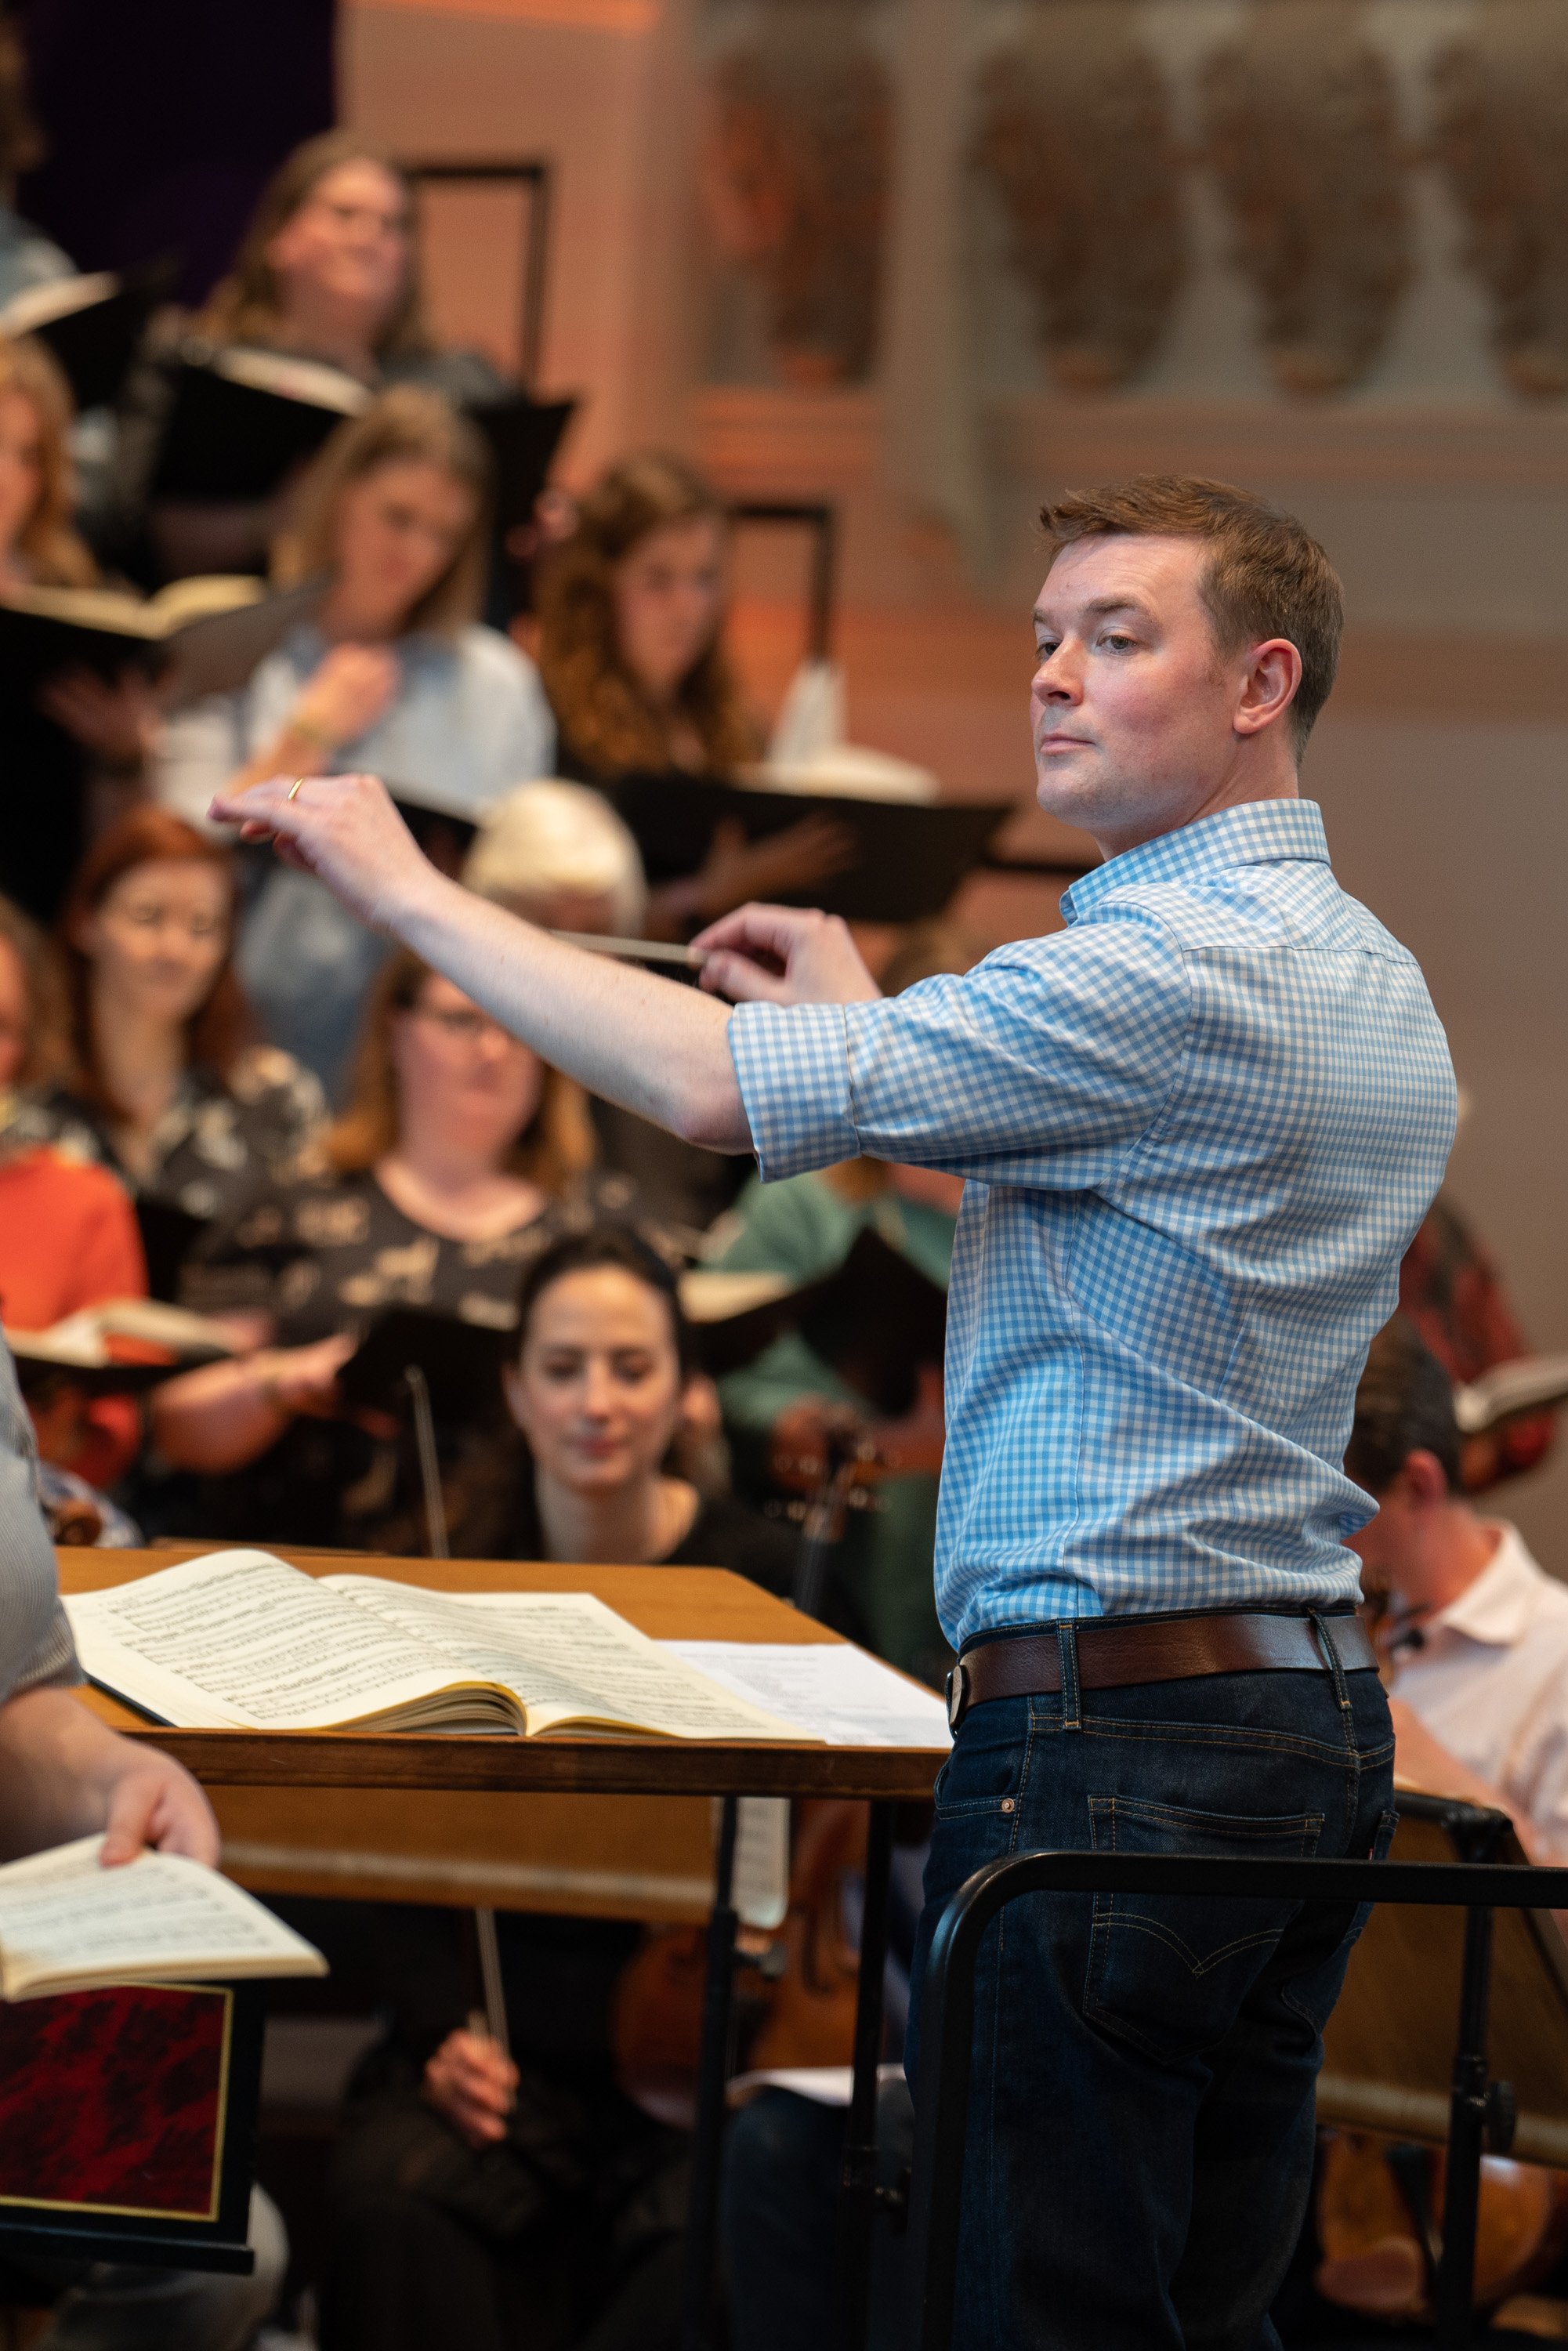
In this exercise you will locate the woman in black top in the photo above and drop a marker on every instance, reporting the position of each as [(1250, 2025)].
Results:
[(460, 1157), (525, 2202)]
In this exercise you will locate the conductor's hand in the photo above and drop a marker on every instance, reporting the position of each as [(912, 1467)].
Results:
[(153, 1801), (473, 2081), (783, 955), (343, 829)]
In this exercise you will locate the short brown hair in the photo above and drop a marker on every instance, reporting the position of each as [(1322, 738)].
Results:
[(603, 712), (406, 426), (246, 307), (1266, 576), (219, 1030), (1405, 1404), (554, 1149)]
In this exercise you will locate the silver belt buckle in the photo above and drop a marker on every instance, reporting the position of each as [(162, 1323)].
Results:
[(957, 1695)]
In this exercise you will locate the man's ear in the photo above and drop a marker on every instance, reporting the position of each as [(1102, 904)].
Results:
[(1425, 1482), (1270, 685)]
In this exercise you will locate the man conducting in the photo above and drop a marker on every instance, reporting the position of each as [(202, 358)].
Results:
[(1198, 1127)]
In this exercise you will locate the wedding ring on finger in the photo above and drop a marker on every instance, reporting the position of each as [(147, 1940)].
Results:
[(294, 788)]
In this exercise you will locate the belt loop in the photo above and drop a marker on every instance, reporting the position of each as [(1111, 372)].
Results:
[(1330, 1657), (1067, 1645)]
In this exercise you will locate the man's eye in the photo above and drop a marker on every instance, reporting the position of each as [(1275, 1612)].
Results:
[(1118, 640)]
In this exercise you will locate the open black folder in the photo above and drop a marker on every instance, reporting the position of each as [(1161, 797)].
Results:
[(242, 420), (92, 326), (910, 856), (202, 635)]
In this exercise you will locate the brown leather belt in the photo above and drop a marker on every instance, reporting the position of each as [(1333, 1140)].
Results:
[(1114, 1651)]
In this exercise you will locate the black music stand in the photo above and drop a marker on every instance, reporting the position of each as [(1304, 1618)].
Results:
[(948, 2007)]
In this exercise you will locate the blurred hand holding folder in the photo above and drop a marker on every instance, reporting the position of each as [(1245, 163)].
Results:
[(909, 856), (128, 2104)]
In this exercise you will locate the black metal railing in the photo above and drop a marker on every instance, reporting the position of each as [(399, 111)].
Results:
[(948, 2010)]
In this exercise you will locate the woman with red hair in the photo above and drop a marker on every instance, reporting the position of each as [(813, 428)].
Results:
[(168, 1084)]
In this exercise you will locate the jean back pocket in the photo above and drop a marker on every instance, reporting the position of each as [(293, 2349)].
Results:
[(1168, 1973)]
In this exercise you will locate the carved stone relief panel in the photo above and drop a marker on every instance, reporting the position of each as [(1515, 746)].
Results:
[(795, 175), (1073, 135), (1303, 141), (1501, 136)]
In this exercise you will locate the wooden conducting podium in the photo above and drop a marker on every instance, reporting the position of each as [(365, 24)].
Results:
[(613, 1826)]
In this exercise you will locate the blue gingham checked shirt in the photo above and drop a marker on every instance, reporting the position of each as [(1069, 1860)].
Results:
[(1199, 1127)]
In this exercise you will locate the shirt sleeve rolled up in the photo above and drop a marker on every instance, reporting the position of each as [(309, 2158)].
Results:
[(1042, 1066)]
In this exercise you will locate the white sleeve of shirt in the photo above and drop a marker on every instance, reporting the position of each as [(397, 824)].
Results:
[(1537, 1773)]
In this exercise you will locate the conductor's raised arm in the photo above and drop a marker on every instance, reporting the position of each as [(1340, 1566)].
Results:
[(657, 1049)]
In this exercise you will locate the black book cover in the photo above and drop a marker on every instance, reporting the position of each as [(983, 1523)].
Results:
[(910, 856)]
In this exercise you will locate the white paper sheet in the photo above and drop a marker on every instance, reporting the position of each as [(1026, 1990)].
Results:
[(67, 1921), (830, 1690)]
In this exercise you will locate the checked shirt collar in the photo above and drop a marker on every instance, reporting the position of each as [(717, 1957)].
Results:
[(1259, 832)]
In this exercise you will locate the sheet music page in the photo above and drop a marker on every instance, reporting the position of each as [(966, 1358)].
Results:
[(564, 1654), (241, 1640), (66, 1922), (833, 1690)]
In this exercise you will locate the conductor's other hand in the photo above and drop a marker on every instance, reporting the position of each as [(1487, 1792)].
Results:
[(784, 955), (153, 1799), (349, 689), (343, 829), (473, 2081)]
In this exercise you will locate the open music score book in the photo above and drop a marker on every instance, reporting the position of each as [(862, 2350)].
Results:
[(238, 1640), (67, 1924)]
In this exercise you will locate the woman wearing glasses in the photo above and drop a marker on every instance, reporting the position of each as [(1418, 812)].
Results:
[(460, 1157)]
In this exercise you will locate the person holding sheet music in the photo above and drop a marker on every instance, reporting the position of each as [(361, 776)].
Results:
[(459, 1157), (166, 1084), (395, 668), (632, 610), (82, 735), (64, 1774), (325, 272)]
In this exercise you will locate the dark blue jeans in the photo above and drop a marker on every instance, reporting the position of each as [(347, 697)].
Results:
[(1139, 2144)]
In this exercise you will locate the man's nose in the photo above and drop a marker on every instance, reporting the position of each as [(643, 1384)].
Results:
[(1058, 678)]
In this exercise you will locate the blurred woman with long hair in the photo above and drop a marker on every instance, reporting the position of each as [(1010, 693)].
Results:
[(631, 614), (167, 1082), (394, 674)]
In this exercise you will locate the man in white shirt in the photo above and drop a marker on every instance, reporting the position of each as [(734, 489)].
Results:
[(1479, 1631)]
